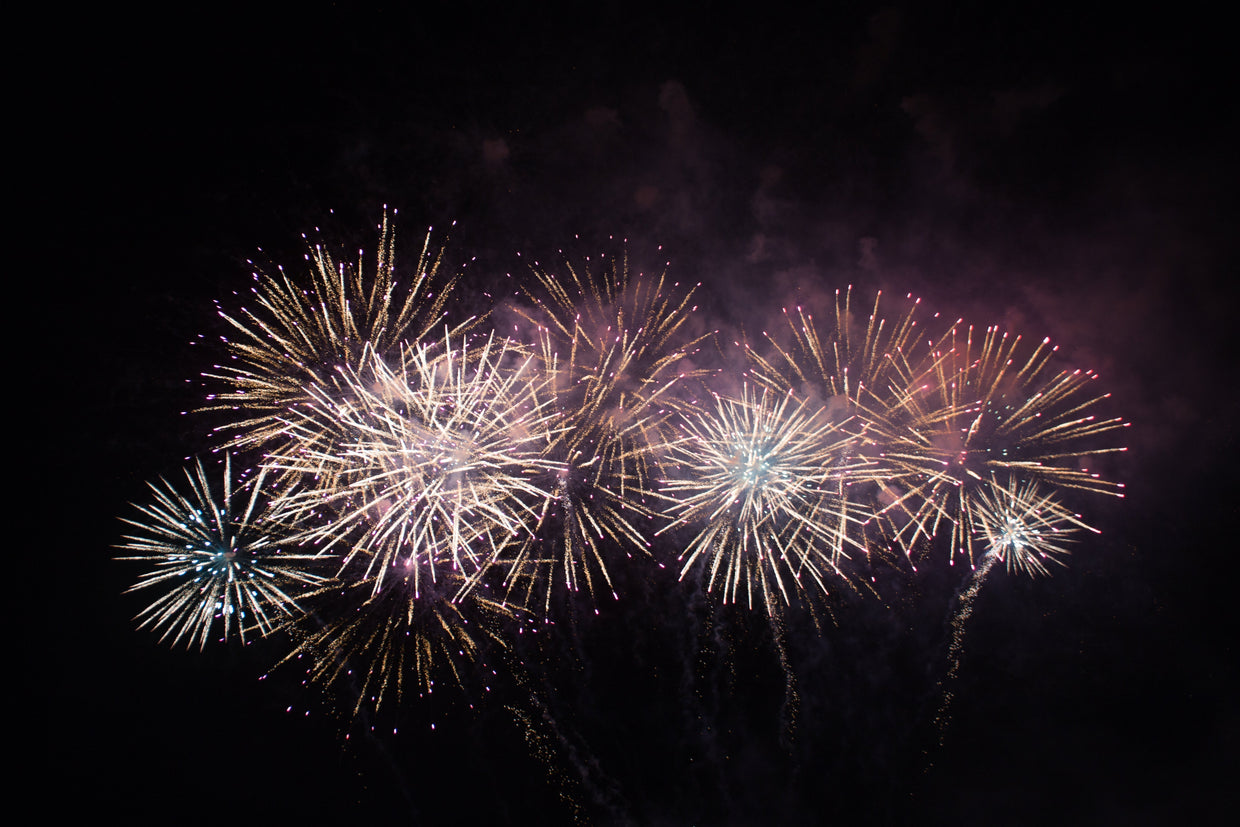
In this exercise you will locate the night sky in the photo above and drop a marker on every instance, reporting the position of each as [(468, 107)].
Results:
[(1069, 174)]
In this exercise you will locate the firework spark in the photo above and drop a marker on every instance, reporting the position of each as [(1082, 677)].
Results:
[(215, 560), (866, 370), (765, 478)]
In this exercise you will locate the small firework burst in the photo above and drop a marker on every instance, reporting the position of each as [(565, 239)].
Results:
[(1025, 527), (215, 560)]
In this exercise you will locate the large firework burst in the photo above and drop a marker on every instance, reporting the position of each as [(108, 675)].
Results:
[(862, 369), (301, 330), (440, 467), (978, 409), (611, 344), (763, 480), (217, 564)]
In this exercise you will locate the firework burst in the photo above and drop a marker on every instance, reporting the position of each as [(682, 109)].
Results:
[(1025, 527), (215, 561), (763, 479), (440, 468), (610, 344), (977, 409), (376, 644), (299, 332)]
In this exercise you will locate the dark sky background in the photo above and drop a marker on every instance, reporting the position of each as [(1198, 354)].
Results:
[(1069, 174)]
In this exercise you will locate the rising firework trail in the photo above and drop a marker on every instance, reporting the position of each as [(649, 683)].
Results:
[(1022, 527)]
